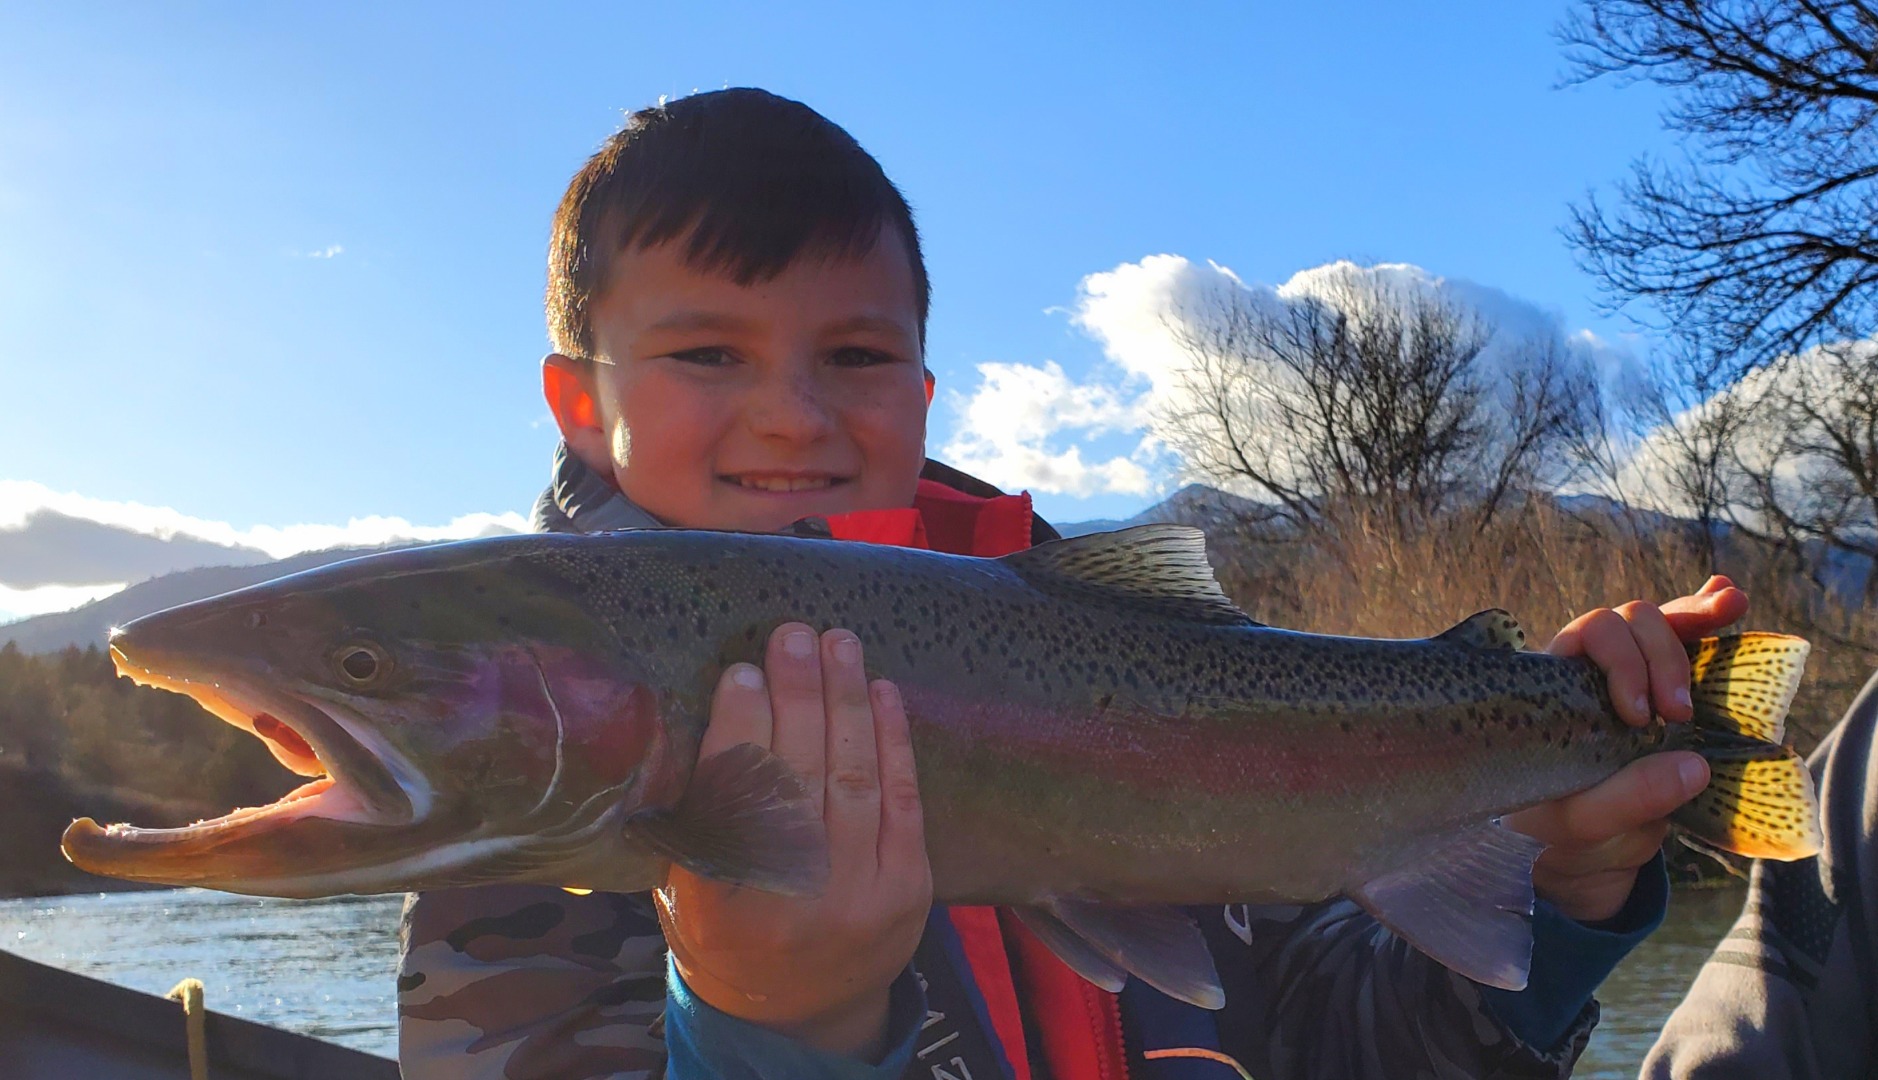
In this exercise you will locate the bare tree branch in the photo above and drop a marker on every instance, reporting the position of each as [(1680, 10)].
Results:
[(1765, 238)]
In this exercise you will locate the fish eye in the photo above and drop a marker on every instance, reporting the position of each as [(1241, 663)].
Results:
[(361, 663)]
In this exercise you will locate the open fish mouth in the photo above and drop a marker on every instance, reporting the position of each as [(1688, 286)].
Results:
[(356, 777)]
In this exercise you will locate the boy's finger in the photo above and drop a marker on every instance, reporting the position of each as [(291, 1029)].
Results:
[(1625, 851), (739, 711), (1604, 636), (1641, 792), (1665, 660), (798, 734), (902, 828), (853, 800), (1718, 605)]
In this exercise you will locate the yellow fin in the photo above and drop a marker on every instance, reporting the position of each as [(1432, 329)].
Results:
[(576, 891), (1759, 802), (1744, 684)]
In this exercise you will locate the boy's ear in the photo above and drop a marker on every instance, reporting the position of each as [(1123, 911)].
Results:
[(568, 384), (929, 386)]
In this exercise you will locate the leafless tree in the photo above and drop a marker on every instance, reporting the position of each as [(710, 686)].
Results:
[(1369, 406), (1764, 239), (1667, 442), (1810, 466)]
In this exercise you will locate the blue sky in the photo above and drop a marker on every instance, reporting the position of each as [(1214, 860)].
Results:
[(265, 265)]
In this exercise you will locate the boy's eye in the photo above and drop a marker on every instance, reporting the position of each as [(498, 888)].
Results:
[(858, 357), (707, 357)]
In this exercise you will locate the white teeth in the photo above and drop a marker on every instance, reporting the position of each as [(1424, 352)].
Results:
[(783, 483)]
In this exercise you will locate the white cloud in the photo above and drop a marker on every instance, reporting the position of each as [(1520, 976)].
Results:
[(21, 498), (1014, 426), (1767, 443), (330, 251), (18, 604), (1007, 421)]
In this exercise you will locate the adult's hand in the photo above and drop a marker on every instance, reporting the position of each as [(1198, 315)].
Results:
[(1601, 837), (815, 968)]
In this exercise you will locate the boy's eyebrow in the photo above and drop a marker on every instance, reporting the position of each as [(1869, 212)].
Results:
[(715, 320), (699, 320), (875, 323)]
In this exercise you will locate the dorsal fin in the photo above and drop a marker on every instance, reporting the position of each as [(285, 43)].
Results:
[(1158, 569), (1489, 629)]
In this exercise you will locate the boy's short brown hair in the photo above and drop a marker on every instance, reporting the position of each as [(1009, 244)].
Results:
[(750, 180)]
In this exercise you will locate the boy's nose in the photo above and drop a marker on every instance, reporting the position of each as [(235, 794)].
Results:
[(794, 408)]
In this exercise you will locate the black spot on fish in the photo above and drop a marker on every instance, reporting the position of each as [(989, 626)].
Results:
[(1455, 725), (503, 620), (408, 983), (1347, 727)]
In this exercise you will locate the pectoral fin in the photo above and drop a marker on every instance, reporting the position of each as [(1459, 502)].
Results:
[(745, 819), (1081, 957), (1467, 903), (1161, 946)]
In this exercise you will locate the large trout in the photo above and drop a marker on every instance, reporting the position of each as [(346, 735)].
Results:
[(1101, 735)]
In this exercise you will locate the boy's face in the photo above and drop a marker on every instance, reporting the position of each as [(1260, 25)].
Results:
[(720, 406)]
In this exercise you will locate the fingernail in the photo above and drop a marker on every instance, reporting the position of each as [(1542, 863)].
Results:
[(848, 650), (1642, 706), (887, 693), (747, 677), (1682, 697), (1694, 775), (799, 644)]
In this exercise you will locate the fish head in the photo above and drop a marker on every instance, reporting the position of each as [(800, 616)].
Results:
[(463, 717)]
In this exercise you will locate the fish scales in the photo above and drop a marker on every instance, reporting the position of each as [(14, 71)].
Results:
[(1098, 730), (1173, 746)]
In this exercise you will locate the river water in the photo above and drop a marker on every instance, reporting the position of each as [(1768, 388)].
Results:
[(327, 967)]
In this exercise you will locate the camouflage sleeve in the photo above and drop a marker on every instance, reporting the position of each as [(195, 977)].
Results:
[(1327, 992), (1789, 992), (515, 982)]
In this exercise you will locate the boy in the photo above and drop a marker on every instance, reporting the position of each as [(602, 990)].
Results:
[(738, 305)]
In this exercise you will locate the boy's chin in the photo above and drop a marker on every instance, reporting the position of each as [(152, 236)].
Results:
[(748, 511)]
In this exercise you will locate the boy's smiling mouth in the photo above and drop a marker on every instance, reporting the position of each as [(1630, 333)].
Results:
[(784, 483)]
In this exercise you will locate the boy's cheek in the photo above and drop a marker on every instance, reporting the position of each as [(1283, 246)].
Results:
[(621, 444)]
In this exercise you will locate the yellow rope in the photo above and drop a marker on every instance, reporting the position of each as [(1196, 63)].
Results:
[(189, 992), (1202, 1054)]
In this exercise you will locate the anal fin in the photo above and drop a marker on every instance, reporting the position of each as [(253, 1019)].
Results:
[(1161, 946), (1467, 903), (746, 819)]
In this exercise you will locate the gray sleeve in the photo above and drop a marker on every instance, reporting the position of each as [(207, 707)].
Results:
[(1330, 993), (517, 982), (1788, 992)]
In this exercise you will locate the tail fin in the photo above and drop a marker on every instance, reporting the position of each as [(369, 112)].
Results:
[(1759, 801)]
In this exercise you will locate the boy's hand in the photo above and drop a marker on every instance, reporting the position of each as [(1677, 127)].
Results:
[(1601, 837), (817, 969)]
